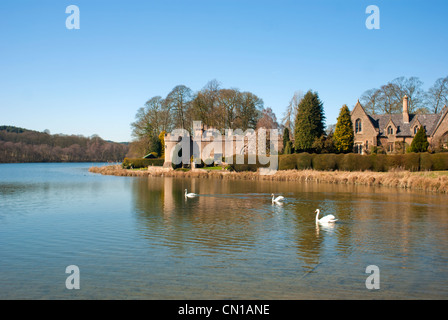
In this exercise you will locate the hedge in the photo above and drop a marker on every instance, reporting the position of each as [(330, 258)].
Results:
[(357, 162), (241, 163), (137, 163), (329, 162)]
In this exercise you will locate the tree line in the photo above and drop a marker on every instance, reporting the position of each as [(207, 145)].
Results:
[(22, 145), (388, 98), (215, 106), (304, 121)]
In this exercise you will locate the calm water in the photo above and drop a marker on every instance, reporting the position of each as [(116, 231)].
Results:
[(139, 238)]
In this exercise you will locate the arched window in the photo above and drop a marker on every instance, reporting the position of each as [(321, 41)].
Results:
[(390, 130), (416, 129), (358, 126)]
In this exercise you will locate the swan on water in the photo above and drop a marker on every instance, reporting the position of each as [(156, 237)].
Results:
[(189, 195), (327, 219), (278, 199)]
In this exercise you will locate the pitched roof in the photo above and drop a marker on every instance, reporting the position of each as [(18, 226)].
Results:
[(380, 122)]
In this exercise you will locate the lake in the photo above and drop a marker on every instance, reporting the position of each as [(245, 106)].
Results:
[(140, 238)]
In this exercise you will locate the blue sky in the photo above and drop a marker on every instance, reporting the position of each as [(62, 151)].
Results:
[(93, 80)]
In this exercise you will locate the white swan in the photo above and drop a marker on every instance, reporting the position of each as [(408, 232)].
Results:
[(327, 219), (189, 195), (278, 199)]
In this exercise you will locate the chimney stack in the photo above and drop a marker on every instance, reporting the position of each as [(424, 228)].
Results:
[(405, 109)]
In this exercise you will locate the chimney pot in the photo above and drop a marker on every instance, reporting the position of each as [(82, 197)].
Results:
[(405, 109)]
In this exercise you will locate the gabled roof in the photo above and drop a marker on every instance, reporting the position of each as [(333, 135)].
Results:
[(443, 115), (358, 105), (380, 121), (389, 123)]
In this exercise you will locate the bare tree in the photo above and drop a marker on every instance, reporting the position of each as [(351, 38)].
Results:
[(371, 100), (388, 102), (249, 111), (179, 101), (411, 87), (148, 119), (437, 95), (291, 111), (268, 120), (228, 101), (205, 103), (388, 98)]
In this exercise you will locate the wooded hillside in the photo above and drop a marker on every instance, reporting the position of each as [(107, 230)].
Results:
[(22, 145)]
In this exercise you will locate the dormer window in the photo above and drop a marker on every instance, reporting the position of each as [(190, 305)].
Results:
[(358, 126), (390, 130)]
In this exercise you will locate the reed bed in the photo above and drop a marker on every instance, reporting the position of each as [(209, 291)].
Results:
[(426, 180)]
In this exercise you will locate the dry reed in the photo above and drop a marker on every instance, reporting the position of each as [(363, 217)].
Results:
[(426, 181)]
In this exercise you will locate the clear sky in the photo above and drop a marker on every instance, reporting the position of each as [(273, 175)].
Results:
[(93, 80)]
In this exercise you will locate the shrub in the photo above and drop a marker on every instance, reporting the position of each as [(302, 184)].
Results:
[(379, 162), (439, 161), (137, 163), (324, 162), (411, 162), (288, 148), (287, 162), (198, 163), (241, 163), (209, 162), (303, 161), (352, 162), (425, 162), (355, 162), (420, 142), (394, 161)]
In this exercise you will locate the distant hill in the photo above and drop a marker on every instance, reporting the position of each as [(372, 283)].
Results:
[(23, 145)]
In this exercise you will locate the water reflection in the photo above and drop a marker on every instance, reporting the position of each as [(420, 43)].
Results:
[(238, 219), (230, 242)]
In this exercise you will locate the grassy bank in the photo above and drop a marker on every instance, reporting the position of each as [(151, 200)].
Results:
[(431, 181)]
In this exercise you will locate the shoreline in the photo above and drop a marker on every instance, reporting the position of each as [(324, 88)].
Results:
[(429, 181)]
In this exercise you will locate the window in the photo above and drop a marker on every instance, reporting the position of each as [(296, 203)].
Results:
[(390, 147), (358, 126), (416, 129), (390, 130), (367, 145), (358, 148)]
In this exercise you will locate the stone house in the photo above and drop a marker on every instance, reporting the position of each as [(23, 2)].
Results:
[(203, 141), (395, 132)]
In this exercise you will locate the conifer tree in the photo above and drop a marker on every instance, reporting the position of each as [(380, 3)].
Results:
[(285, 137), (343, 136), (309, 122), (420, 142), (288, 148)]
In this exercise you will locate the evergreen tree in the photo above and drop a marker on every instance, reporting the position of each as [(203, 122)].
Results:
[(285, 137), (343, 134), (288, 148), (420, 142), (309, 122)]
